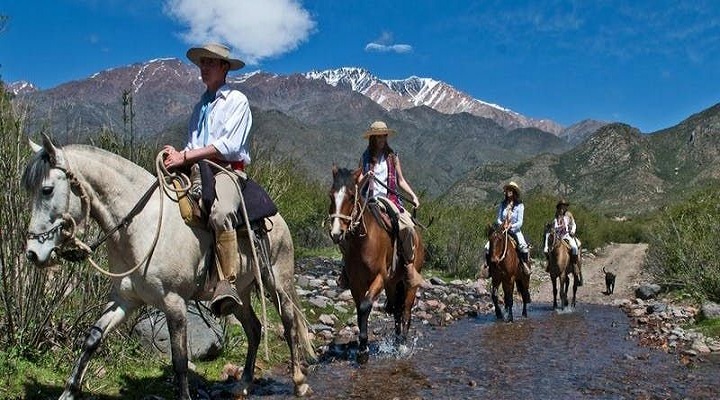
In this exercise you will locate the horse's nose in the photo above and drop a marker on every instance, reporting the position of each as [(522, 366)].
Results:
[(31, 256), (335, 237)]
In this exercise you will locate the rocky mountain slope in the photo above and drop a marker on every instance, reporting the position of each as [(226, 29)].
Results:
[(307, 119), (450, 144), (617, 170)]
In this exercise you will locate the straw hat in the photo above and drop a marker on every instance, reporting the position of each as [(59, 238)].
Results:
[(214, 50), (378, 128), (513, 186)]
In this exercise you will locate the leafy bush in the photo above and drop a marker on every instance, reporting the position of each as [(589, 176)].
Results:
[(682, 250)]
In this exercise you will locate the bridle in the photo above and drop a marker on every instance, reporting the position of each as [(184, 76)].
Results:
[(73, 249), (356, 214)]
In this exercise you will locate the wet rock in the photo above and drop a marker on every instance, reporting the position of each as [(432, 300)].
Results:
[(204, 333), (437, 281), (656, 308), (647, 291)]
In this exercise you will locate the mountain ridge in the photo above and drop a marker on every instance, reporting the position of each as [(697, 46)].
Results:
[(460, 155)]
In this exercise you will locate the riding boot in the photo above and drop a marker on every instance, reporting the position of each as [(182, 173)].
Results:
[(225, 298), (575, 260), (414, 279), (525, 258)]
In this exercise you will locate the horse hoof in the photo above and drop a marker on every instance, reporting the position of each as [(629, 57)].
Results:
[(303, 390)]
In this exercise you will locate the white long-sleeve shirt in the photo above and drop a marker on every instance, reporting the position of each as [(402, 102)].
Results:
[(228, 120)]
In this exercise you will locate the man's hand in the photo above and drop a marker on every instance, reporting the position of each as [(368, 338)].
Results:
[(172, 158)]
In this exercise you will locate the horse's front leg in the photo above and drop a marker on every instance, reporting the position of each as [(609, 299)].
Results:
[(564, 285), (496, 301), (576, 281), (115, 313), (363, 312), (176, 316), (508, 288), (554, 280), (406, 312)]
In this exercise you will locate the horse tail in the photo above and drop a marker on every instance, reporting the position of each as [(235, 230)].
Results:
[(304, 343)]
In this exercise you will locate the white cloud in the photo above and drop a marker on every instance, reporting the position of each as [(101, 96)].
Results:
[(255, 29), (398, 48), (385, 44)]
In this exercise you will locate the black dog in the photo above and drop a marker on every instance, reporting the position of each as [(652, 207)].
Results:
[(609, 281)]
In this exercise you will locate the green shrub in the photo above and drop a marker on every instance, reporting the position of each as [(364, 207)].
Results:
[(682, 250)]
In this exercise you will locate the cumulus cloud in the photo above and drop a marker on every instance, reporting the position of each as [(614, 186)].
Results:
[(255, 29), (385, 44)]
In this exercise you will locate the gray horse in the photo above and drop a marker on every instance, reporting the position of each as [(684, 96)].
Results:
[(155, 259)]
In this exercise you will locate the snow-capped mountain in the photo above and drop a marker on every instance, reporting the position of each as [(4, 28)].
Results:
[(415, 91), (21, 87)]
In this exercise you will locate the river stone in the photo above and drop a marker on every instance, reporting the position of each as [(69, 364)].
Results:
[(647, 291), (710, 310), (204, 334)]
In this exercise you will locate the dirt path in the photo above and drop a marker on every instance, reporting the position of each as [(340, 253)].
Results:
[(625, 260)]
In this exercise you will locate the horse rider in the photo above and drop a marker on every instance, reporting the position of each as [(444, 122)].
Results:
[(510, 217), (564, 227), (381, 168), (218, 130)]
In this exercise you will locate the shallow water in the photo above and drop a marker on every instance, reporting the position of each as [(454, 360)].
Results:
[(585, 354)]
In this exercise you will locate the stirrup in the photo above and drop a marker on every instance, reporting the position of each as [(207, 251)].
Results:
[(225, 299)]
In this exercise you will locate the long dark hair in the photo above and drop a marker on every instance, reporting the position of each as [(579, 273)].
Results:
[(374, 155)]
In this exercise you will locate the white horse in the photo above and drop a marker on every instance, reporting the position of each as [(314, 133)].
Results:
[(76, 181)]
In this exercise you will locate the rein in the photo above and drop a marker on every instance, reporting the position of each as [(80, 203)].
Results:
[(74, 249), (356, 215), (505, 233)]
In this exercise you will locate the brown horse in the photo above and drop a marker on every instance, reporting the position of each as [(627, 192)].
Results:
[(505, 268), (368, 252), (560, 268)]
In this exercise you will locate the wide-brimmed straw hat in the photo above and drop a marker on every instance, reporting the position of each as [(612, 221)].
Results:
[(513, 186), (214, 50), (562, 202), (378, 128)]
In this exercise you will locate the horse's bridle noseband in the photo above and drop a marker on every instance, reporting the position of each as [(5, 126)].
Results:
[(355, 217), (70, 247)]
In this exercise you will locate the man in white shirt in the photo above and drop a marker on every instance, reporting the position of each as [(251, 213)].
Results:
[(219, 130)]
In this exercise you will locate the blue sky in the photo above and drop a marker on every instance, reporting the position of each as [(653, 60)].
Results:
[(650, 64)]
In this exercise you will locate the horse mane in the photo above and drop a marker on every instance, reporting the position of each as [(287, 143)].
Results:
[(343, 177), (38, 168), (490, 229)]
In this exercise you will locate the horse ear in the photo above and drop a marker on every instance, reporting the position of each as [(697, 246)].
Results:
[(50, 148), (34, 146), (334, 169)]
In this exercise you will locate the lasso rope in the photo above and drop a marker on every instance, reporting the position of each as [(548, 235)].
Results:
[(185, 186)]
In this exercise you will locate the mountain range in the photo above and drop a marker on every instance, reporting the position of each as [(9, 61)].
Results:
[(451, 144)]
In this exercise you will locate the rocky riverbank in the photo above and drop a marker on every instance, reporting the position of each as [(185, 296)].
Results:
[(655, 322)]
